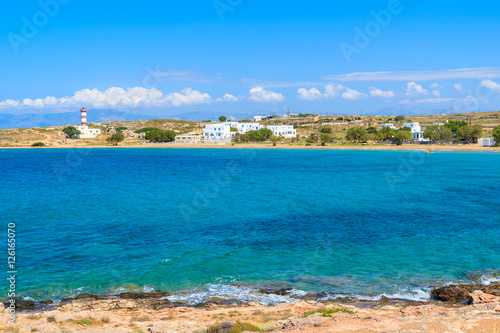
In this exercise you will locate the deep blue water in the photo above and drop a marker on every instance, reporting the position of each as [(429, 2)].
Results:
[(208, 222)]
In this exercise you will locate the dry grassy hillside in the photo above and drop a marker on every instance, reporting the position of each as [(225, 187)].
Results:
[(305, 126)]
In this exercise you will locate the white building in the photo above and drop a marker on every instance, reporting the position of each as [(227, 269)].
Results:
[(389, 125), (188, 139), (86, 132), (247, 127), (291, 115), (217, 132), (486, 142), (417, 133), (286, 131), (261, 118)]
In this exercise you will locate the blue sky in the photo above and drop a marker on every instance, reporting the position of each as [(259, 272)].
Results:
[(254, 56)]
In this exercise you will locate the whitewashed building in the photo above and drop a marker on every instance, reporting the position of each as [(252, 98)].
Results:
[(286, 131), (417, 133), (247, 127), (188, 139), (217, 132), (86, 132), (389, 125), (486, 142)]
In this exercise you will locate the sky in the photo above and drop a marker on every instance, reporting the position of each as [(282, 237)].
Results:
[(232, 56)]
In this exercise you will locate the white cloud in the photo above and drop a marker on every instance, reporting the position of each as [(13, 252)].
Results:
[(353, 95), (435, 86), (374, 92), (261, 95), (466, 73), (331, 91), (334, 90), (227, 98), (310, 95), (458, 86), (116, 98), (491, 85), (415, 89), (436, 93)]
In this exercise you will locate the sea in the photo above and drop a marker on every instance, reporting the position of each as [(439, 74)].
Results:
[(226, 223)]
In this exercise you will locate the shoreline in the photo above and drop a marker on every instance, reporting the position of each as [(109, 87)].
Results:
[(266, 146), (150, 312)]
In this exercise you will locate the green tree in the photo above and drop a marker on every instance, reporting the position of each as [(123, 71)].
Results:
[(438, 133), (324, 137), (146, 129), (455, 125), (38, 144), (160, 136), (386, 133), (356, 134), (234, 129), (120, 129), (399, 118), (326, 130), (372, 130), (70, 131), (402, 136), (116, 138), (222, 118), (496, 134), (470, 133)]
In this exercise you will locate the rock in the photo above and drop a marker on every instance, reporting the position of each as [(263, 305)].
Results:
[(100, 330), (479, 297), (157, 294), (159, 329), (311, 321), (461, 293), (280, 292), (22, 305), (46, 329), (25, 329)]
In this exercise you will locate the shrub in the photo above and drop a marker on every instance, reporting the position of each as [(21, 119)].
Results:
[(326, 130), (116, 138), (241, 327), (121, 129), (325, 312), (38, 144), (399, 118), (145, 130), (140, 319), (85, 322), (160, 136), (51, 319)]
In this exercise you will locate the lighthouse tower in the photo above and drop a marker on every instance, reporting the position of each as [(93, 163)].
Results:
[(84, 116)]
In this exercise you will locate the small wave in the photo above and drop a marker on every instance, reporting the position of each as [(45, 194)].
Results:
[(230, 292)]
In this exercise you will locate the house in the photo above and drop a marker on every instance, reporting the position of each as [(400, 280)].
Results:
[(86, 132), (217, 132), (247, 127), (286, 131), (389, 125), (291, 115), (261, 118), (188, 139), (417, 133), (486, 142)]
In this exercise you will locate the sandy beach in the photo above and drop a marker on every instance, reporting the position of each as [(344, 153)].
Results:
[(434, 147)]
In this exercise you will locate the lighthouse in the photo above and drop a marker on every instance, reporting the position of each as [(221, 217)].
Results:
[(84, 116)]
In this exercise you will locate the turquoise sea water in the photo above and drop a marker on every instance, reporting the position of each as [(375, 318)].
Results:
[(225, 222)]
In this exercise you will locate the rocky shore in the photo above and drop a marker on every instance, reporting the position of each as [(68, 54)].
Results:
[(462, 308)]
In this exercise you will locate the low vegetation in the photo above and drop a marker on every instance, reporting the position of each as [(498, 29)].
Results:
[(327, 312)]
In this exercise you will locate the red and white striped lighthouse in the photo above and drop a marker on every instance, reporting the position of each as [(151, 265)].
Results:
[(84, 116)]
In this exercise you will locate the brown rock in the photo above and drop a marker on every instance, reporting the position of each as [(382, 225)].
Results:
[(157, 294), (461, 293), (479, 297)]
